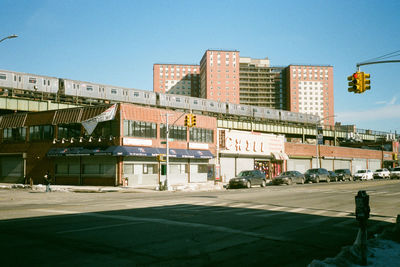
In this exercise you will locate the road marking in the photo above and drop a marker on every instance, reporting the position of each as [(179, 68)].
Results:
[(135, 219), (98, 227), (296, 210)]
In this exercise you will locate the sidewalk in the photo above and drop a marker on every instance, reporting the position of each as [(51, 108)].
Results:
[(207, 186)]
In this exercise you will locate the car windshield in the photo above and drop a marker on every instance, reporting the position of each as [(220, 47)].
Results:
[(245, 173), (285, 173), (361, 171), (339, 171), (379, 170), (312, 171), (396, 169)]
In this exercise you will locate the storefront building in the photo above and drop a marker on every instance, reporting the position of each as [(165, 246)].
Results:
[(304, 156), (106, 145), (240, 150)]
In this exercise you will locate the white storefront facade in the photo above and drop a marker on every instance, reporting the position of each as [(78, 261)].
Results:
[(239, 150)]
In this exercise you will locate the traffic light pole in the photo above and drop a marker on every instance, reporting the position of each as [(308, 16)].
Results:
[(377, 62), (167, 145)]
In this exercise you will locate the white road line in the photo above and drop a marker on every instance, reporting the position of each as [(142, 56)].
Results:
[(296, 210), (277, 208), (98, 227), (135, 219)]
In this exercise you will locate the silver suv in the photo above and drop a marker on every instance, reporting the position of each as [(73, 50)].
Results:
[(395, 173)]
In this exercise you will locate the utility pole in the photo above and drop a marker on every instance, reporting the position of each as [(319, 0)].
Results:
[(167, 147), (167, 154)]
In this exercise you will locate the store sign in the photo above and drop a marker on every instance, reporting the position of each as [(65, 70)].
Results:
[(238, 142), (126, 141)]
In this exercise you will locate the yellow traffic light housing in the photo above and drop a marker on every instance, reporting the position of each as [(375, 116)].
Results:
[(194, 123), (161, 157), (366, 81), (188, 120), (355, 82)]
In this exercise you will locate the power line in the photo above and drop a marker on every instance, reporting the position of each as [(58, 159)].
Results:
[(389, 55)]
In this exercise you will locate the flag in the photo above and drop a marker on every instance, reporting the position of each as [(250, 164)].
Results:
[(107, 115)]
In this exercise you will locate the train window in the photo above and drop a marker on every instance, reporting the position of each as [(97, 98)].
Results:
[(19, 78), (195, 102), (136, 94), (44, 82), (89, 88), (146, 95), (3, 76), (15, 78), (255, 110), (211, 104), (32, 80), (114, 91), (48, 82), (178, 99)]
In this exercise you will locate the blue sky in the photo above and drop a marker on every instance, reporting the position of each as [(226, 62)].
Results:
[(117, 42)]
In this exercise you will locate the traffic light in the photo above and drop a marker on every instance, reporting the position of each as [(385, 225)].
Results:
[(193, 124), (161, 157), (355, 82), (188, 120), (366, 81)]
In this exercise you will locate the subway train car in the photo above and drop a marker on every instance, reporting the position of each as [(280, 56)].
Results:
[(143, 97), (173, 101), (239, 110), (28, 82), (289, 116), (266, 113)]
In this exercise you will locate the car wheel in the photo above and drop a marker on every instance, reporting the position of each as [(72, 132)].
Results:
[(248, 184), (263, 183)]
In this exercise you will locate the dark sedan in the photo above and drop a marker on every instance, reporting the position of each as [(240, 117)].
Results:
[(248, 178), (288, 178), (316, 175)]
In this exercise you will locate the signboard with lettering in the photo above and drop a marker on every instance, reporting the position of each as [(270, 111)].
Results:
[(247, 143)]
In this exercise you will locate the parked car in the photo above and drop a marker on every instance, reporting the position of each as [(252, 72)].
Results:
[(382, 174), (248, 178), (289, 177), (344, 174), (316, 175), (395, 173), (333, 176), (364, 174)]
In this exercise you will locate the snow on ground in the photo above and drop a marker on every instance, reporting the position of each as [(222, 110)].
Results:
[(381, 252)]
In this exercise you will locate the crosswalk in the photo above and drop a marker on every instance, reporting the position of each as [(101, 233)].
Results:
[(254, 209)]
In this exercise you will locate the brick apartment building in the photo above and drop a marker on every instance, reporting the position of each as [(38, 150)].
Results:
[(310, 90), (219, 76), (179, 79)]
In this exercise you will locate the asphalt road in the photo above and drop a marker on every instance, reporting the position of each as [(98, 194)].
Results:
[(272, 226)]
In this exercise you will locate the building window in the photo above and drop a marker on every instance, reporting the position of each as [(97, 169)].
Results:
[(201, 135), (14, 134), (41, 132), (69, 130), (140, 129), (175, 132)]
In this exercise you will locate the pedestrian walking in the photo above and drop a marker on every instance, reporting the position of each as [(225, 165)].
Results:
[(47, 179)]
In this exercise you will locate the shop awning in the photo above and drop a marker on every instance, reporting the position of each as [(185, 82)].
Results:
[(128, 151), (280, 156), (187, 153)]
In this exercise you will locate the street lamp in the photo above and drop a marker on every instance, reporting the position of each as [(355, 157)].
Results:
[(316, 136), (9, 37)]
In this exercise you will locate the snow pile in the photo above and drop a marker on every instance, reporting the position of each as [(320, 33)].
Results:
[(380, 253)]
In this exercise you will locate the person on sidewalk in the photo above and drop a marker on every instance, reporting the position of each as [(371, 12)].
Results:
[(47, 179)]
